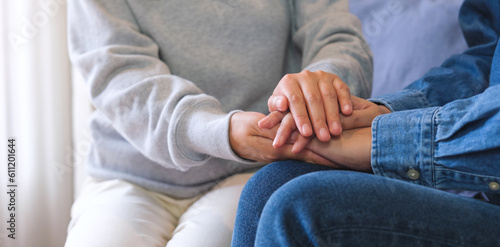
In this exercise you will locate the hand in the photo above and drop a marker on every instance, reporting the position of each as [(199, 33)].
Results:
[(253, 143), (312, 96), (287, 131), (352, 149), (364, 112)]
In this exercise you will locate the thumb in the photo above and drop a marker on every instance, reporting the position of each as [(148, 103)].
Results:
[(358, 119)]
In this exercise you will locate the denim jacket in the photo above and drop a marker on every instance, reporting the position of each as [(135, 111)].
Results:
[(444, 131)]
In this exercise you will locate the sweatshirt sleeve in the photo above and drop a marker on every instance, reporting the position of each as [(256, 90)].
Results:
[(330, 39), (451, 147), (165, 117), (462, 75)]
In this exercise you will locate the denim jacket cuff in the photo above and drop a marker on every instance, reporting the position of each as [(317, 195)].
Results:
[(404, 100), (402, 146)]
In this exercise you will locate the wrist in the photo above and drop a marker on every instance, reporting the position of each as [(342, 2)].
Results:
[(383, 109)]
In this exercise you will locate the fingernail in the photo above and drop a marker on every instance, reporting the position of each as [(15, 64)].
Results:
[(294, 136), (278, 104), (262, 122), (324, 133), (336, 127), (347, 108), (306, 130), (276, 141)]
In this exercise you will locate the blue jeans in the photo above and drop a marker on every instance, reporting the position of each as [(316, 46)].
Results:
[(282, 207)]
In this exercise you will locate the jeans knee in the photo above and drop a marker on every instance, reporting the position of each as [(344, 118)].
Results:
[(273, 176), (338, 191)]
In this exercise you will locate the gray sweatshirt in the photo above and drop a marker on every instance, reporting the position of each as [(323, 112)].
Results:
[(166, 76)]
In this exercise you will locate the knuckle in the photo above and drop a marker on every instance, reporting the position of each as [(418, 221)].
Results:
[(347, 89), (302, 117), (306, 72), (340, 85), (318, 122), (286, 77), (322, 73), (296, 98), (314, 99), (288, 82), (329, 94)]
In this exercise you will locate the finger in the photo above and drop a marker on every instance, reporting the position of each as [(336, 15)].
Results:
[(266, 133), (297, 105), (360, 103), (300, 143), (284, 131), (331, 105), (314, 158), (285, 153), (344, 96), (316, 110), (271, 120), (293, 137), (358, 119), (277, 103)]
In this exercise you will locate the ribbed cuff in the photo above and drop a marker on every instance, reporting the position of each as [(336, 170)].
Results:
[(202, 133)]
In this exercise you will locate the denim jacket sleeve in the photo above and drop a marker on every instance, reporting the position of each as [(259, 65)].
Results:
[(444, 130), (456, 146), (463, 75)]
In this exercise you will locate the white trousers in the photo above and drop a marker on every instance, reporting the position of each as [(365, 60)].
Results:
[(118, 213)]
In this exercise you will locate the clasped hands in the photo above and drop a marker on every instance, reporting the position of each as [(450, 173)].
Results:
[(313, 118)]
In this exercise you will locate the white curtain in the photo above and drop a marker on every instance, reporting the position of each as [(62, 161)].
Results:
[(36, 107)]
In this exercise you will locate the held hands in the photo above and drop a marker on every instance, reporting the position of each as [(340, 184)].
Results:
[(302, 105), (314, 99), (350, 148), (253, 143), (364, 112)]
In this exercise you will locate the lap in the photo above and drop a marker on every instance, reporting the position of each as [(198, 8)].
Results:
[(258, 190), (335, 206), (119, 213), (210, 220)]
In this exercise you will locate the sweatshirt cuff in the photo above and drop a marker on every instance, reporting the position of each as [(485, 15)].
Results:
[(403, 100), (203, 133), (403, 144)]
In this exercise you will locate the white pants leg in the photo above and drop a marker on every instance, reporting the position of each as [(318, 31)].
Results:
[(209, 222), (118, 213)]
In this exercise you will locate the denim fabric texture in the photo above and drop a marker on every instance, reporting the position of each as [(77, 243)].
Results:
[(258, 190), (346, 208), (291, 203), (444, 133)]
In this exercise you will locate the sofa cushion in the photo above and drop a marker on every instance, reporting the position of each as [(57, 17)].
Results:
[(408, 38)]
